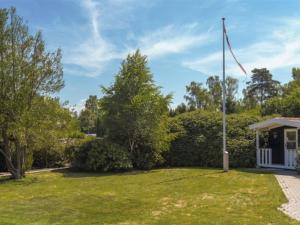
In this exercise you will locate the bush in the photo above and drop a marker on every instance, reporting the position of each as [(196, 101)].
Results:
[(198, 140), (101, 155), (48, 158)]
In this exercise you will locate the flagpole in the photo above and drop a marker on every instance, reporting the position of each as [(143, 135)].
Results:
[(225, 153)]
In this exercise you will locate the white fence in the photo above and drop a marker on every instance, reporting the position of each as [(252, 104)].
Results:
[(265, 157), (290, 158)]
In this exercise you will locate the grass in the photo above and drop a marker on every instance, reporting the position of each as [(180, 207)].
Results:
[(163, 196)]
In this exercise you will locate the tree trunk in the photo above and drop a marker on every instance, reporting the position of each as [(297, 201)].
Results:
[(6, 153), (19, 160)]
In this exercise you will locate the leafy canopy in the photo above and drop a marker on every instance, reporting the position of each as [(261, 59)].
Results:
[(136, 112)]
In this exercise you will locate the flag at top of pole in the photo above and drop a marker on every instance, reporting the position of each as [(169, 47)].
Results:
[(225, 37)]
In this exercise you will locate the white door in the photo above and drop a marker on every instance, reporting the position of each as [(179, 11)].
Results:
[(290, 147)]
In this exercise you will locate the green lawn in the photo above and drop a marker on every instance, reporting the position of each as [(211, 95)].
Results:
[(164, 196)]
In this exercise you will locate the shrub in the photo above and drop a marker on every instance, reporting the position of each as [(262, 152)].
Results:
[(198, 140), (48, 157), (101, 155)]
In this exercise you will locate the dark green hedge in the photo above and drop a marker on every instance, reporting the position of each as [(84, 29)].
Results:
[(100, 155), (198, 140)]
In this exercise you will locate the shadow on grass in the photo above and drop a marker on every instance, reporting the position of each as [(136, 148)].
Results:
[(284, 172), (69, 173), (189, 177), (4, 180), (255, 170), (23, 182)]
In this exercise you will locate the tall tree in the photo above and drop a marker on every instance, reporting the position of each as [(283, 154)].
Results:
[(136, 112), (231, 91), (27, 70), (181, 108), (45, 149), (215, 92), (197, 96), (262, 86), (89, 116), (296, 73)]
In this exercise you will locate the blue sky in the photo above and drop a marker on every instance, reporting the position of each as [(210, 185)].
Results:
[(182, 39)]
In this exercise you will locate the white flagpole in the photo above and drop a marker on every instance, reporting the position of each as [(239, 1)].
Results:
[(225, 153)]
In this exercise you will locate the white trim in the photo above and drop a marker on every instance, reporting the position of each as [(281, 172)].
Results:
[(275, 122), (290, 154)]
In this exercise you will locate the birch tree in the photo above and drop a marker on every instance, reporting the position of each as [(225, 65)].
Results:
[(27, 70), (136, 112)]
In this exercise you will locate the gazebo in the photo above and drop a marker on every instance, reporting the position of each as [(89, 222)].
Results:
[(282, 145)]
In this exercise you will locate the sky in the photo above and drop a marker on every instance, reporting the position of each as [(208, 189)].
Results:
[(181, 38)]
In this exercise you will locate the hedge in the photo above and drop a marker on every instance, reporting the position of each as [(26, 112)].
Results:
[(198, 140), (100, 155)]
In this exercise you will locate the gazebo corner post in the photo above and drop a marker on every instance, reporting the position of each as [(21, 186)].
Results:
[(257, 148)]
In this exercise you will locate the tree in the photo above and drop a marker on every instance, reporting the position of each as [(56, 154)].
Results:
[(87, 121), (296, 73), (27, 71), (91, 117), (88, 116), (47, 148), (181, 108), (231, 91), (197, 96), (287, 105), (295, 83), (136, 112), (215, 92), (261, 87)]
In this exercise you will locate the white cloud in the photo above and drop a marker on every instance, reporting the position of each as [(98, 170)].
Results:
[(279, 49), (79, 106), (171, 39), (95, 52), (91, 55)]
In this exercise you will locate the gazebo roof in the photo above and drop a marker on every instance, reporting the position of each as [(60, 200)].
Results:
[(276, 122)]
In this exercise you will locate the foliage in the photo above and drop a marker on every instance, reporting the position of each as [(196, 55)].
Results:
[(215, 92), (231, 92), (197, 96), (48, 148), (198, 140), (101, 155), (260, 88), (89, 117), (135, 113), (182, 108), (210, 98), (287, 104), (296, 73), (27, 71)]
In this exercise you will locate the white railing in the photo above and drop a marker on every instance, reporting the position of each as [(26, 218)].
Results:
[(265, 157), (290, 158)]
